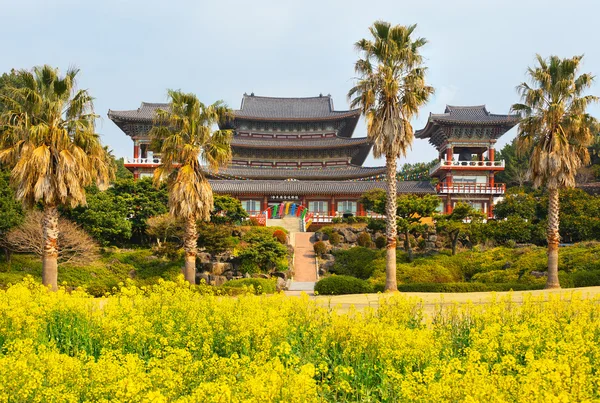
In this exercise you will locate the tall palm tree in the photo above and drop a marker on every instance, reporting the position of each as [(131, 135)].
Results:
[(50, 144), (389, 90), (558, 129), (184, 136)]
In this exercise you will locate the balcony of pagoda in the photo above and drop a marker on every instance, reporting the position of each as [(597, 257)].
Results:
[(471, 188), (152, 162), (467, 166)]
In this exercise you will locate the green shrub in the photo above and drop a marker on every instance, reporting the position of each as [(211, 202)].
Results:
[(280, 236), (168, 250), (335, 239), (328, 231), (380, 242), (585, 279), (254, 285), (423, 271), (338, 285), (364, 240), (466, 287), (376, 224), (356, 262), (100, 289), (320, 248), (336, 220)]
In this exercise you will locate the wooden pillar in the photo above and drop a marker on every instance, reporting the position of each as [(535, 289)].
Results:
[(332, 208), (481, 157), (448, 209), (265, 203), (136, 174), (303, 201), (491, 208), (491, 154), (360, 209), (491, 179), (136, 149), (449, 154), (449, 179)]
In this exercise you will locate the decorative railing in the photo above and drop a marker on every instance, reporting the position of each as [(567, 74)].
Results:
[(143, 161), (471, 188), (467, 164)]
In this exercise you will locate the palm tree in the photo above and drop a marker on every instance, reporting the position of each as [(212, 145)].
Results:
[(184, 136), (558, 129), (50, 144), (390, 89)]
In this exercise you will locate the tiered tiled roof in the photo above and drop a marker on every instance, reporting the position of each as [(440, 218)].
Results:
[(145, 113), (272, 108), (302, 188), (327, 173), (468, 117)]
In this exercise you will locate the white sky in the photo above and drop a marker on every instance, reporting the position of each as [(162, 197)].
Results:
[(132, 51)]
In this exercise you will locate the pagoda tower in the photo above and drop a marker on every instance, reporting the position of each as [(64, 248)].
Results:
[(465, 137)]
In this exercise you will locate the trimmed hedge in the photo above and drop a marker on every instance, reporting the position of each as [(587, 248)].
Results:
[(254, 285), (339, 285)]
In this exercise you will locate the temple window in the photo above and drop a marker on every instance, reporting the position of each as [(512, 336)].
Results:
[(251, 206), (346, 207), (318, 207)]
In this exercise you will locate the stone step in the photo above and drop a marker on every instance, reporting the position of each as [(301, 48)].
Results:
[(302, 286)]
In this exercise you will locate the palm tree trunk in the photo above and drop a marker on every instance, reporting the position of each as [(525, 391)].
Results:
[(553, 239), (50, 252), (391, 227), (190, 247)]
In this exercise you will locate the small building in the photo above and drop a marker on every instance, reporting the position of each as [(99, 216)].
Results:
[(465, 138)]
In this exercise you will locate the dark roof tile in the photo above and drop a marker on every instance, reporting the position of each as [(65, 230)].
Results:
[(303, 188), (320, 107), (329, 142), (342, 172)]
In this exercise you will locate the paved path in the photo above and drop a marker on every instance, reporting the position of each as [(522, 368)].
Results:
[(305, 274), (431, 301)]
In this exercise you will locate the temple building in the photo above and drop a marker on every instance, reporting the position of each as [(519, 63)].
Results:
[(300, 152), (464, 136), (293, 150)]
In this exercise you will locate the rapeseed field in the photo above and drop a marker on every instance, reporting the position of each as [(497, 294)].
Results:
[(173, 343)]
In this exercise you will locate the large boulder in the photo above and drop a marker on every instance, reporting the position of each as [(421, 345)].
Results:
[(217, 268), (203, 276), (224, 257), (281, 284), (348, 234), (327, 261), (319, 236), (279, 274), (204, 257), (217, 280)]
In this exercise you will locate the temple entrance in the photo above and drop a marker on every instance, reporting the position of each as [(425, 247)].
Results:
[(285, 208)]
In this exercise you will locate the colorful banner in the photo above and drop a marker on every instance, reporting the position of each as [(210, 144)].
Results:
[(294, 206), (287, 208), (281, 209), (303, 213)]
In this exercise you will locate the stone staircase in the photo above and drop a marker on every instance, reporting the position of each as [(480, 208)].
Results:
[(290, 223), (305, 274)]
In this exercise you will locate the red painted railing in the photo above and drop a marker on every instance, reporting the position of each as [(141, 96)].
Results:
[(471, 188)]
